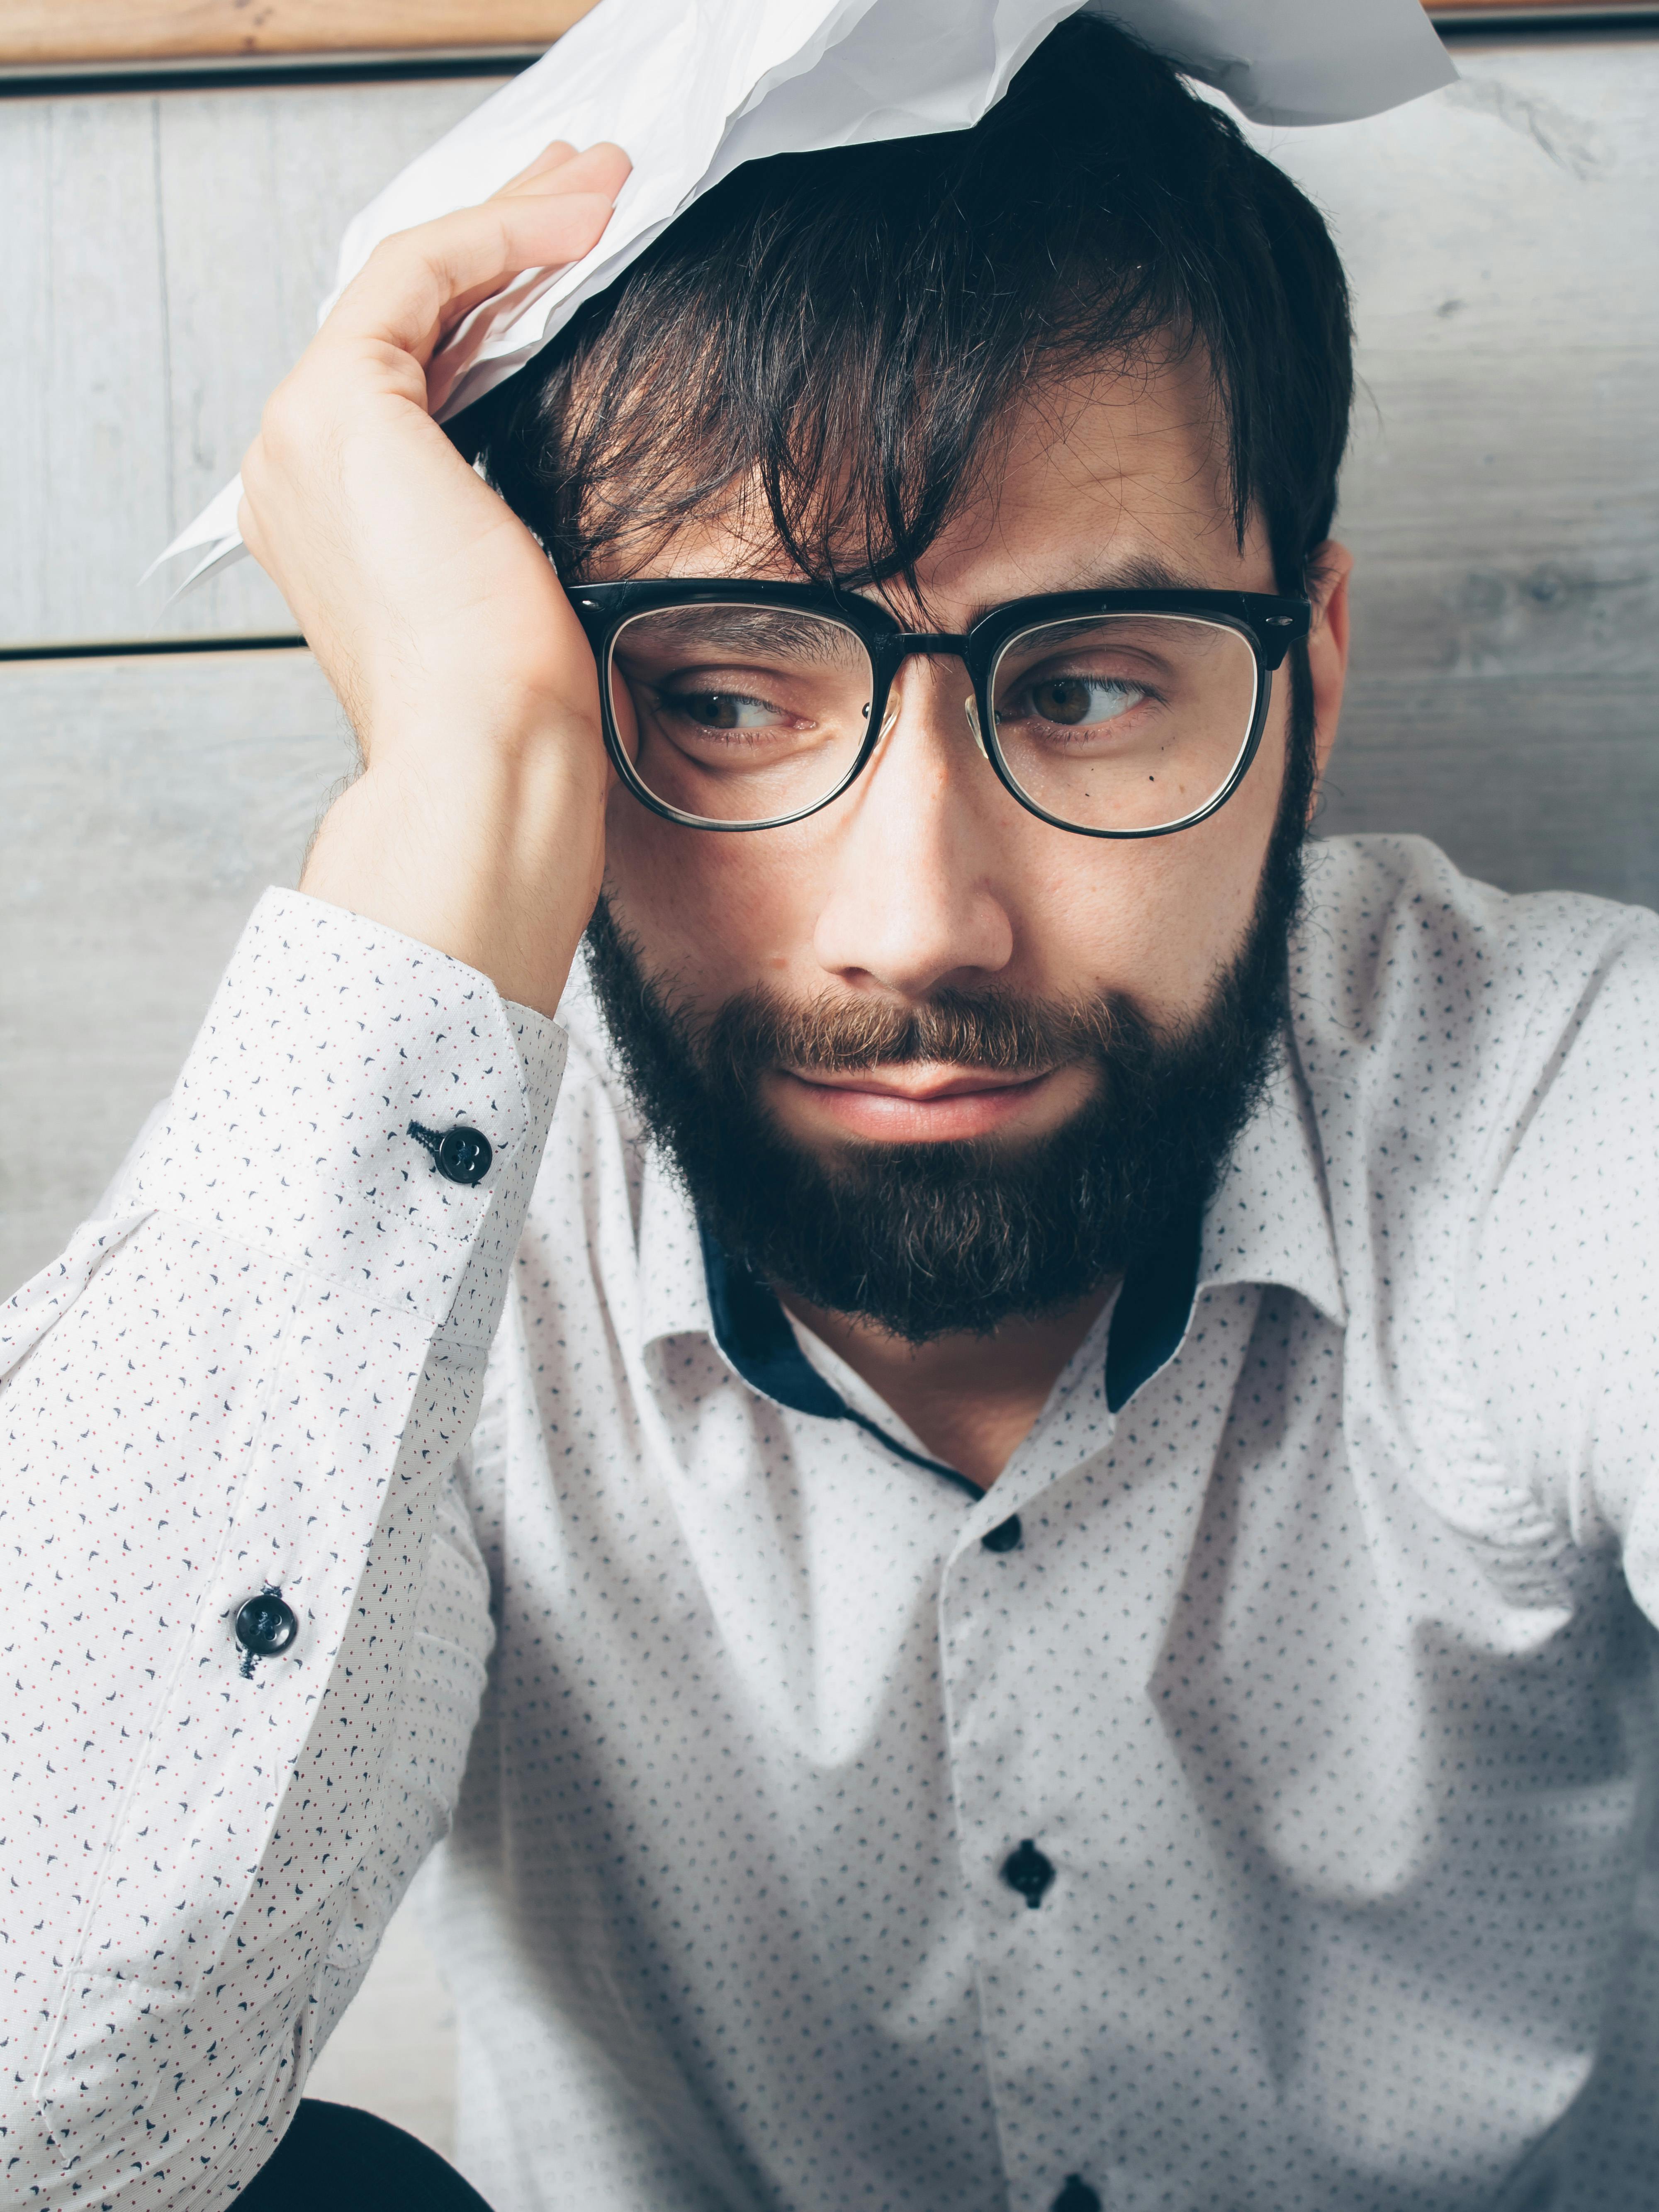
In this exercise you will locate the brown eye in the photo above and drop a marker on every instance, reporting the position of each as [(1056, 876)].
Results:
[(721, 710), (1080, 701), (1064, 700)]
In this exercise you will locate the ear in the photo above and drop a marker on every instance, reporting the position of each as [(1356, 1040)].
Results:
[(1329, 568)]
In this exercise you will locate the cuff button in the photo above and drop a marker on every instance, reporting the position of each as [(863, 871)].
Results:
[(1028, 1872), (265, 1626), (460, 1155)]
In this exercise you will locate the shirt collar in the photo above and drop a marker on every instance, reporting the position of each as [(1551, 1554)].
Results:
[(1269, 1220), (1268, 1223), (673, 1284), (688, 1286)]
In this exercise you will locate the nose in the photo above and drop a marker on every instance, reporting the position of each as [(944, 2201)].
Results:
[(917, 898)]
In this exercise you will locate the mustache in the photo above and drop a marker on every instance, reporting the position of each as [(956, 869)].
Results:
[(832, 1035)]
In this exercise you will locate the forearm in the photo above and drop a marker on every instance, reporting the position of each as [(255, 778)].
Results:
[(262, 1383)]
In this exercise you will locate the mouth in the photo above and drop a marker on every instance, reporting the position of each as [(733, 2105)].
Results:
[(925, 1102)]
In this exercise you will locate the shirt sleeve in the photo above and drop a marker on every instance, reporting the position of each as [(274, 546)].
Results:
[(257, 1372), (443, 1687), (1564, 1304)]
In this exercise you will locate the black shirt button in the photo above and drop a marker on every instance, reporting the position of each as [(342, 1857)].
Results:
[(1005, 1537), (461, 1155), (1027, 1872), (1077, 2197), (266, 1626)]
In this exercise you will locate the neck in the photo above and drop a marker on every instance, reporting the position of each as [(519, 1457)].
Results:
[(971, 1398)]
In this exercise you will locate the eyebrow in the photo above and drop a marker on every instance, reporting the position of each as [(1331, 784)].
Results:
[(757, 630), (736, 630), (1140, 572)]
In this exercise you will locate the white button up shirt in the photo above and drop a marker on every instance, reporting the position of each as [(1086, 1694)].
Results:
[(1317, 1677)]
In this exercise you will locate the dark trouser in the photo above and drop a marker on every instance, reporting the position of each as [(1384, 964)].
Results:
[(335, 2159)]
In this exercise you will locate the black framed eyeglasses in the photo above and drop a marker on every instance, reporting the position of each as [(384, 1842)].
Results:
[(730, 705)]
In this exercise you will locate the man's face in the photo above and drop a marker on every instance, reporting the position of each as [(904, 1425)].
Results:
[(927, 883)]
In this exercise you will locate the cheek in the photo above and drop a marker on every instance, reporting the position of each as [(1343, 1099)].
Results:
[(716, 911), (1157, 918)]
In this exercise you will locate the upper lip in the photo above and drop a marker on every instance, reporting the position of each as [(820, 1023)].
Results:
[(922, 1081)]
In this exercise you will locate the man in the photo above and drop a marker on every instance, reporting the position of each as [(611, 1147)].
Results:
[(1036, 1607)]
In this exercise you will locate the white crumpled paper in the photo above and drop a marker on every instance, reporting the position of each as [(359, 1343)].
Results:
[(693, 88)]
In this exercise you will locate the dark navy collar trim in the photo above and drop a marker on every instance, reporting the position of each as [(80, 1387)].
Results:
[(753, 1331), (1153, 1308)]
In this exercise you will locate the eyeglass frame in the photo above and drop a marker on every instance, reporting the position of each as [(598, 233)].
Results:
[(1269, 625)]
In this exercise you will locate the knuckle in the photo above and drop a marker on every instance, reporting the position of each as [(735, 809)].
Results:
[(277, 436), (413, 256), (292, 417), (397, 245)]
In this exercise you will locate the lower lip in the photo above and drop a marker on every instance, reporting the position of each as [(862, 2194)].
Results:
[(887, 1118)]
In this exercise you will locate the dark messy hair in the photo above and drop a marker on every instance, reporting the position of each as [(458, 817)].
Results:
[(836, 337)]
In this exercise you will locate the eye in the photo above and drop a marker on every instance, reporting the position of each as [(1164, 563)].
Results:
[(1078, 702), (721, 710)]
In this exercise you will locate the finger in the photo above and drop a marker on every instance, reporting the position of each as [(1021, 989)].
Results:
[(578, 182), (601, 168), (552, 156), (412, 283)]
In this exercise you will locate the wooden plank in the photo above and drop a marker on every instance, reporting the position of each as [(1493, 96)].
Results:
[(144, 805), (1491, 232), (1502, 492), (167, 254), (1531, 783), (35, 31), (145, 802), (1460, 8), (84, 385)]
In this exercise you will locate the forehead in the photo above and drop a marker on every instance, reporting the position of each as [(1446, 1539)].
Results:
[(1118, 479)]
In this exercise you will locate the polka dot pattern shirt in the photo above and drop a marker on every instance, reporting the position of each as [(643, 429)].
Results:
[(1241, 1807)]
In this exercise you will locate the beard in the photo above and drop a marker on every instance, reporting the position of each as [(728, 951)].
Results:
[(927, 1240)]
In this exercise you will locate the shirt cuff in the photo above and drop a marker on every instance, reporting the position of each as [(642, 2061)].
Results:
[(289, 1129)]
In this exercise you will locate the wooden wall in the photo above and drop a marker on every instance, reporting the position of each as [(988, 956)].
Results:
[(89, 31), (165, 253), (1502, 239)]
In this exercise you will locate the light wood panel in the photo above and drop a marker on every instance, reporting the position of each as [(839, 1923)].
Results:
[(1502, 497), (38, 32), (1502, 493), (393, 2052), (166, 256), (144, 805), (1501, 237), (1563, 7), (44, 31)]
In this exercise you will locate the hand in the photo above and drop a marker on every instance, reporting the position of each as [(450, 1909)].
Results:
[(477, 823)]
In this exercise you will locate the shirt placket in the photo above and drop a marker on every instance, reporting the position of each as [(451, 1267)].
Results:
[(1081, 1856)]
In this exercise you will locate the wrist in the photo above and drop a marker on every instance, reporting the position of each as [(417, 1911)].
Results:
[(492, 858)]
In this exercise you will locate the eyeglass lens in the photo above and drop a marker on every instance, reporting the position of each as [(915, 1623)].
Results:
[(1124, 721), (741, 714), (735, 714)]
